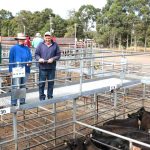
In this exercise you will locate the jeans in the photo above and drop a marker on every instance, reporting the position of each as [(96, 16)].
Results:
[(44, 74), (22, 80)]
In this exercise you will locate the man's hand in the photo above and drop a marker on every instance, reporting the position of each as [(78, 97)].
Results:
[(29, 64), (50, 60), (41, 60)]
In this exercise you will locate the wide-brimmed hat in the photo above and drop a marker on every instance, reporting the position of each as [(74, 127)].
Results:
[(20, 36), (38, 35)]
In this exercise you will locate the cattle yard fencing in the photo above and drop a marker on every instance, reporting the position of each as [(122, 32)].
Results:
[(44, 125)]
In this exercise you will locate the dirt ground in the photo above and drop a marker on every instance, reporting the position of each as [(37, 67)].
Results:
[(138, 59), (142, 59), (135, 59)]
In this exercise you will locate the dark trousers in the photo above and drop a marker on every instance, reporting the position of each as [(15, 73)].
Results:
[(46, 74)]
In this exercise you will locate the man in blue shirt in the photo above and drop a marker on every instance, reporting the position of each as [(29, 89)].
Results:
[(37, 40), (47, 53), (20, 53)]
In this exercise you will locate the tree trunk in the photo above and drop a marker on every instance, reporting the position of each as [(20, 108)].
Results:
[(120, 47), (127, 44), (145, 42)]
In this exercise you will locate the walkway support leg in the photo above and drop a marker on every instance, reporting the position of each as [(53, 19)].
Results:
[(15, 130), (74, 116)]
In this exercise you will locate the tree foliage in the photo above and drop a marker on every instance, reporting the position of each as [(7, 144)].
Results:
[(119, 23), (123, 22)]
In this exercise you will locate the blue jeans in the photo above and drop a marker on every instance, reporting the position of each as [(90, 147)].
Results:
[(44, 74), (22, 80)]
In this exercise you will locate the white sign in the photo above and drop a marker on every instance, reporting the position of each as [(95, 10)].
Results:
[(113, 87), (18, 72), (5, 111)]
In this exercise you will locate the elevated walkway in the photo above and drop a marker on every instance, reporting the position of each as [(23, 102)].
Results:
[(73, 91)]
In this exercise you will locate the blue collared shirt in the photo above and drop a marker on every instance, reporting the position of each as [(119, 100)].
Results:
[(19, 53)]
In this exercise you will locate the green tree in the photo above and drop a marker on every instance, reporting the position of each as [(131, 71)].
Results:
[(5, 17), (87, 17), (59, 26)]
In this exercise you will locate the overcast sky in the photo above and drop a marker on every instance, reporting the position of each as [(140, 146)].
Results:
[(60, 7)]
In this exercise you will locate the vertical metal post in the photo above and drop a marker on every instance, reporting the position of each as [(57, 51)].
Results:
[(81, 73), (92, 63), (124, 102), (18, 86), (15, 130), (115, 101), (67, 73), (97, 102), (54, 119), (67, 77), (144, 93), (15, 115), (94, 105), (123, 68), (115, 98), (130, 145), (74, 117)]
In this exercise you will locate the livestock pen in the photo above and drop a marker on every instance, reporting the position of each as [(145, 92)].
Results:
[(92, 86)]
